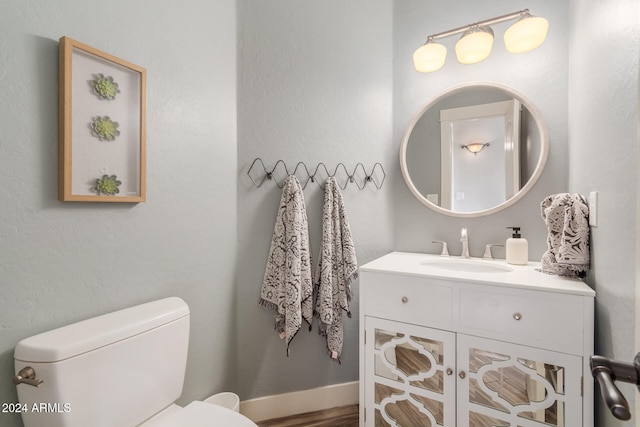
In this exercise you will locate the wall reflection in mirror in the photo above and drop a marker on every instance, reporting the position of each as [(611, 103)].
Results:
[(473, 150)]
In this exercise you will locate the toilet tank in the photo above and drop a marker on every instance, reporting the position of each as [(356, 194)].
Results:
[(117, 369)]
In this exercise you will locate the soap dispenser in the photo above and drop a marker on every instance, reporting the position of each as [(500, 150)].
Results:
[(517, 248)]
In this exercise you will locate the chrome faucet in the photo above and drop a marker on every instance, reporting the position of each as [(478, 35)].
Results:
[(464, 238)]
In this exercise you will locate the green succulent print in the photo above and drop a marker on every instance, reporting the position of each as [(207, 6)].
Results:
[(104, 128), (107, 185), (105, 87)]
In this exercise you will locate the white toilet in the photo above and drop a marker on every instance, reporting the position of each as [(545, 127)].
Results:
[(122, 369)]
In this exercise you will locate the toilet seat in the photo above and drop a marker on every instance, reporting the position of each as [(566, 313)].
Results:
[(202, 414)]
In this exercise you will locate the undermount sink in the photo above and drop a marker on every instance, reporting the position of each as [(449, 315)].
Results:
[(466, 265)]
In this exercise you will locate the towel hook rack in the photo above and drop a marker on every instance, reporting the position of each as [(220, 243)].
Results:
[(258, 173)]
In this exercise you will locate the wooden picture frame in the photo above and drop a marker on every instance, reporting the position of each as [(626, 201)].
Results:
[(102, 126)]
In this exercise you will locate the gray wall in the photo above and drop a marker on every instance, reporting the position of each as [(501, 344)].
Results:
[(63, 262), (603, 143), (324, 81), (314, 86), (541, 75)]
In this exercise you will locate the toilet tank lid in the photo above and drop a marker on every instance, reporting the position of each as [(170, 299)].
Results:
[(81, 337)]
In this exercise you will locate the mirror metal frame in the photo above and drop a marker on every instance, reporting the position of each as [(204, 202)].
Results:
[(542, 160)]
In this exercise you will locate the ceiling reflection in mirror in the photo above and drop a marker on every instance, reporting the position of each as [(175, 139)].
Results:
[(474, 150)]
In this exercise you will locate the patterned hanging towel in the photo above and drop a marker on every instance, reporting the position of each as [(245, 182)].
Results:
[(287, 287), (336, 269), (567, 218)]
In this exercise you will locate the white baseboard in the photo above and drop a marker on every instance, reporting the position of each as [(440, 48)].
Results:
[(298, 402)]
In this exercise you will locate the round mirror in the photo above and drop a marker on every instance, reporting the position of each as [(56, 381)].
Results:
[(474, 150)]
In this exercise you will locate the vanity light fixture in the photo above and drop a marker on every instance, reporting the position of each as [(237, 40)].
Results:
[(475, 45), (475, 147)]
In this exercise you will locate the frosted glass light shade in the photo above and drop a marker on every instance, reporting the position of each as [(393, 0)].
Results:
[(526, 34), (475, 45), (429, 57)]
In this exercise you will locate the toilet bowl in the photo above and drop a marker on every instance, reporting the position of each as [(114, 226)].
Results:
[(123, 369)]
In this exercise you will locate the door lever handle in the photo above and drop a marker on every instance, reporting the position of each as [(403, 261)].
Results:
[(605, 371)]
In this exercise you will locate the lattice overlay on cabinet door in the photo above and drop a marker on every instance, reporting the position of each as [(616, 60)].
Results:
[(514, 389), (409, 377)]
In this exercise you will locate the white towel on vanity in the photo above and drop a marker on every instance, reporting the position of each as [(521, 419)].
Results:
[(336, 269), (567, 218), (287, 287)]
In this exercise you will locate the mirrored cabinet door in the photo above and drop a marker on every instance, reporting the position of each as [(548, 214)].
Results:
[(502, 384), (411, 375)]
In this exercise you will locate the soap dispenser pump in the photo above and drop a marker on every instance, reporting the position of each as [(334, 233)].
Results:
[(517, 248)]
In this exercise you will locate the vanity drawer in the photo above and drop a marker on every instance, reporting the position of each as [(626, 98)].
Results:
[(538, 319), (407, 299)]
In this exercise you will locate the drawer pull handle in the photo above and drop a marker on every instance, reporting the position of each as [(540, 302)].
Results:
[(449, 371), (462, 374), (405, 300), (517, 316)]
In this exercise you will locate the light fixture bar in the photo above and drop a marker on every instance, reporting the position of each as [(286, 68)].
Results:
[(464, 28), (476, 43)]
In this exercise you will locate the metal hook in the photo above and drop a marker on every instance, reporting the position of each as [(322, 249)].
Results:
[(340, 172)]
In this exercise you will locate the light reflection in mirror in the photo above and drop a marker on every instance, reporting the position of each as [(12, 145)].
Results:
[(443, 179)]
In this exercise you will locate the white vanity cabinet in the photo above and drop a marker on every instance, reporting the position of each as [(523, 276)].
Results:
[(441, 346)]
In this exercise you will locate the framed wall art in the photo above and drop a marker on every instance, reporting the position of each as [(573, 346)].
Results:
[(102, 126)]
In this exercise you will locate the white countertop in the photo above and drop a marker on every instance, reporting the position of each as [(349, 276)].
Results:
[(520, 276)]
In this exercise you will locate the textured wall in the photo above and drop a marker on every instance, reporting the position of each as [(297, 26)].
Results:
[(317, 81), (63, 262), (603, 129), (541, 75), (315, 86)]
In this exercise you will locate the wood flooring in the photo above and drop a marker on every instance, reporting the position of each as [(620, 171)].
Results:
[(344, 416)]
